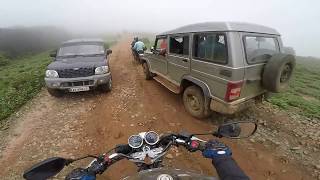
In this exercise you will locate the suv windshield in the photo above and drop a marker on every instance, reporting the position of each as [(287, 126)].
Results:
[(260, 49), (81, 50)]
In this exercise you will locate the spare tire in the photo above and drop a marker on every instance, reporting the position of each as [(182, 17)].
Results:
[(278, 72)]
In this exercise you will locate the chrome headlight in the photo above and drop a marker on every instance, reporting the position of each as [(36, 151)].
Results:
[(102, 70), (52, 74)]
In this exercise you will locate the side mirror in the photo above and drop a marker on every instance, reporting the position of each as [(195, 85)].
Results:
[(46, 169), (109, 51), (53, 53), (237, 130)]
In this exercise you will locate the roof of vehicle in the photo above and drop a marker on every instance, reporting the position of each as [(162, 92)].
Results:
[(223, 26), (74, 41)]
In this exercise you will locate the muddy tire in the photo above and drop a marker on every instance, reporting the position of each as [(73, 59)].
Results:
[(106, 87), (146, 71), (196, 103), (278, 72), (55, 92)]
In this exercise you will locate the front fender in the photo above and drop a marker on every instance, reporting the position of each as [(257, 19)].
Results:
[(146, 60)]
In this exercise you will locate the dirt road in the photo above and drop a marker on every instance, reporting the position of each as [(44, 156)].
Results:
[(84, 123)]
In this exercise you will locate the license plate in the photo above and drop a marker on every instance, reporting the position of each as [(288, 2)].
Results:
[(79, 89)]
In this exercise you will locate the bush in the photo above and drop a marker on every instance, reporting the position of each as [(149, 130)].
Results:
[(3, 60), (146, 42), (108, 44), (22, 80)]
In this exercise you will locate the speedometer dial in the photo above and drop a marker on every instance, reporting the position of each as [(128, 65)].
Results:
[(151, 138), (135, 141)]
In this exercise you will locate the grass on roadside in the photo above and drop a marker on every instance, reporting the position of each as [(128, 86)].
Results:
[(147, 42), (20, 80), (303, 95)]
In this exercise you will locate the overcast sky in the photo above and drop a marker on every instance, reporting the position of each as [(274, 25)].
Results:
[(298, 21)]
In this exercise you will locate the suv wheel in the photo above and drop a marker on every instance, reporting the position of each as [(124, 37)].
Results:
[(55, 92), (106, 87), (278, 72), (146, 71), (195, 103)]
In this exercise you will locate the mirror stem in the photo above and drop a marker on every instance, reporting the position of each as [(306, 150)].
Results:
[(70, 161)]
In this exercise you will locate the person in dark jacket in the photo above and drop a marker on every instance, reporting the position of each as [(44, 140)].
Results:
[(222, 160)]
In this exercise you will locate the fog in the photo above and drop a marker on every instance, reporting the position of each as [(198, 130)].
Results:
[(296, 20)]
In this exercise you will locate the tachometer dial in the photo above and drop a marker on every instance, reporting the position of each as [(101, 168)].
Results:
[(135, 141), (151, 138)]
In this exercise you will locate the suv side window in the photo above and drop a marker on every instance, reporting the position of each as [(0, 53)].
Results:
[(161, 43), (179, 45), (210, 47), (260, 49)]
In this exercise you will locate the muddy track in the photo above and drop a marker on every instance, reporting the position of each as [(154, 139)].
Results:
[(92, 123)]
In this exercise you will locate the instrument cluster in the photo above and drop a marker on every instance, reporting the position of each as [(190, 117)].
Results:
[(150, 138)]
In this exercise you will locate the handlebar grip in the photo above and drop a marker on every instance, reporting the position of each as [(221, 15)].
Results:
[(123, 149), (195, 145)]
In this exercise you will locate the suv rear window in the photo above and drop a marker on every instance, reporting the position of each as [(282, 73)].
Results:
[(179, 45), (260, 49), (210, 47)]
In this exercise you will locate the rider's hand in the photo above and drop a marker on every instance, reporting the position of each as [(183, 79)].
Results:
[(215, 149), (80, 174)]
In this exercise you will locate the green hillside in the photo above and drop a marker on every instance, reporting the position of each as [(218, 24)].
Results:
[(20, 80)]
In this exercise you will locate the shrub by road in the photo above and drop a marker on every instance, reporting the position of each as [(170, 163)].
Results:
[(20, 80)]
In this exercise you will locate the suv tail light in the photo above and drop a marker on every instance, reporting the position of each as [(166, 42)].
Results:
[(233, 91)]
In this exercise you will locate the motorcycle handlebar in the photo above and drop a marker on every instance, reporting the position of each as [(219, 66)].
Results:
[(193, 143), (126, 149), (122, 151)]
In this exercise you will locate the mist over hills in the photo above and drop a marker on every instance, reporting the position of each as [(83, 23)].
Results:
[(19, 41)]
